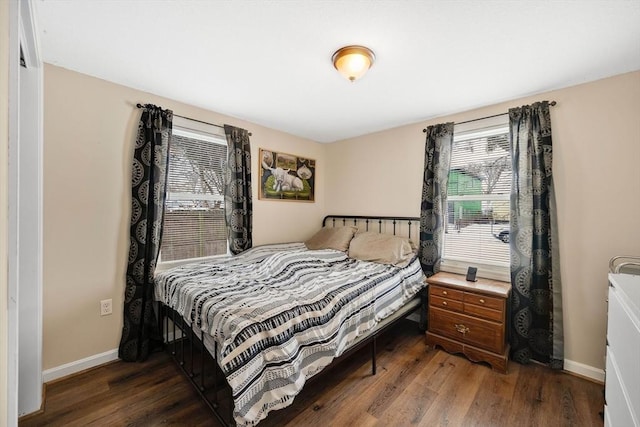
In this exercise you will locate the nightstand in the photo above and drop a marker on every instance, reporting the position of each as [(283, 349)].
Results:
[(469, 318)]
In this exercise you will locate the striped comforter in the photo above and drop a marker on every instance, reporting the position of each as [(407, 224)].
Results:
[(280, 313)]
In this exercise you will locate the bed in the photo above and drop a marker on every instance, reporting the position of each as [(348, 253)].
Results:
[(250, 330)]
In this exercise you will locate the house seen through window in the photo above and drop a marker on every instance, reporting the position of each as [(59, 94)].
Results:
[(478, 191), (194, 223)]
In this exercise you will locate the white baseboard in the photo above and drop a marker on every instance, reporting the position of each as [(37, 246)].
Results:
[(79, 365), (584, 370), (88, 363), (111, 355)]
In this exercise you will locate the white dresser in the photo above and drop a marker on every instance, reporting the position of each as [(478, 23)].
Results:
[(622, 384)]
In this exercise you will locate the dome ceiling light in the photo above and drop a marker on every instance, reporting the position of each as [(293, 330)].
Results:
[(353, 61)]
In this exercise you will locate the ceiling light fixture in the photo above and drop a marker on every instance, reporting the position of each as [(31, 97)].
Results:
[(353, 61)]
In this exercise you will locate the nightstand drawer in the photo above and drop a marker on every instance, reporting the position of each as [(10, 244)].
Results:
[(485, 313), (438, 291), (469, 330), (484, 301), (447, 304)]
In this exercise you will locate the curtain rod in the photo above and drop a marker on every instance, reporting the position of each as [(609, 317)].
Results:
[(552, 103), (189, 118)]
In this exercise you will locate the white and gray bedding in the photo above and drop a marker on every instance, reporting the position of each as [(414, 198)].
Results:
[(280, 313)]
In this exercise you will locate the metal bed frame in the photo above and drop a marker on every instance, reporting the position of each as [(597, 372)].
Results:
[(188, 350)]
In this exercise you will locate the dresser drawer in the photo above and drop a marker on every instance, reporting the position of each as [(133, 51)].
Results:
[(618, 407), (438, 291), (480, 333), (445, 303), (623, 363)]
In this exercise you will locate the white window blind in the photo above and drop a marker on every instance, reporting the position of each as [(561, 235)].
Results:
[(194, 224), (477, 216)]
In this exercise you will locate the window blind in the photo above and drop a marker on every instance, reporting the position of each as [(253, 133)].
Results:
[(477, 211), (194, 222)]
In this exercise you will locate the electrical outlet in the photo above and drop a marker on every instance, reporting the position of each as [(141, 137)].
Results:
[(106, 307)]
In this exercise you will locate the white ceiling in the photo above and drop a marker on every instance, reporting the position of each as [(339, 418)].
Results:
[(269, 62)]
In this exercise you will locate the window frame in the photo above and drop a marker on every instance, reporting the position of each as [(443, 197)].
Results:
[(202, 131), (478, 129)]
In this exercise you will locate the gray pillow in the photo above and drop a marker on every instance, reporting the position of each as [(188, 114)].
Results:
[(337, 238), (382, 248)]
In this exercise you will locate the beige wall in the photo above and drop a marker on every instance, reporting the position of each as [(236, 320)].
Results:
[(90, 124), (596, 135), (89, 127), (4, 203)]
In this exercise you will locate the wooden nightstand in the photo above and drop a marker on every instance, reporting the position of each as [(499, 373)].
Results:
[(469, 318)]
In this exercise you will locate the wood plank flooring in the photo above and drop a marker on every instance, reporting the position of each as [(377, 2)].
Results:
[(413, 386)]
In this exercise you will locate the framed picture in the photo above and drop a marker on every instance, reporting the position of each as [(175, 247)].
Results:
[(286, 177)]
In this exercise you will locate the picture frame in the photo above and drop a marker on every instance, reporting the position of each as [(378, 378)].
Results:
[(286, 177)]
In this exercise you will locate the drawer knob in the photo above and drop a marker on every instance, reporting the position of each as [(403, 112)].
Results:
[(461, 328), (481, 301), (444, 303), (444, 293)]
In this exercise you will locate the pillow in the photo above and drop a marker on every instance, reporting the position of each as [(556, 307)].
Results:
[(337, 238), (382, 248)]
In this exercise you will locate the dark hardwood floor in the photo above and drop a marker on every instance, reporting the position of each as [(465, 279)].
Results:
[(413, 386)]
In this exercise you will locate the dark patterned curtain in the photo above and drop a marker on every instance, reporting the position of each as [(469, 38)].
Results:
[(536, 310), (437, 158), (237, 190), (148, 181)]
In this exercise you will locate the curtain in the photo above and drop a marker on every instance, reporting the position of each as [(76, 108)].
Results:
[(237, 190), (536, 299), (437, 158), (140, 331)]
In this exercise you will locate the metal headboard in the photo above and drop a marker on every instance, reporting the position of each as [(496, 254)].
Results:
[(399, 225), (625, 264)]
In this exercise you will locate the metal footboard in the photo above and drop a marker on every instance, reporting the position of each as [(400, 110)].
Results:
[(190, 354)]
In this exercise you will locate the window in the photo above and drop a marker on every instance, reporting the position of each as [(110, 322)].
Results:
[(477, 216), (194, 223)]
